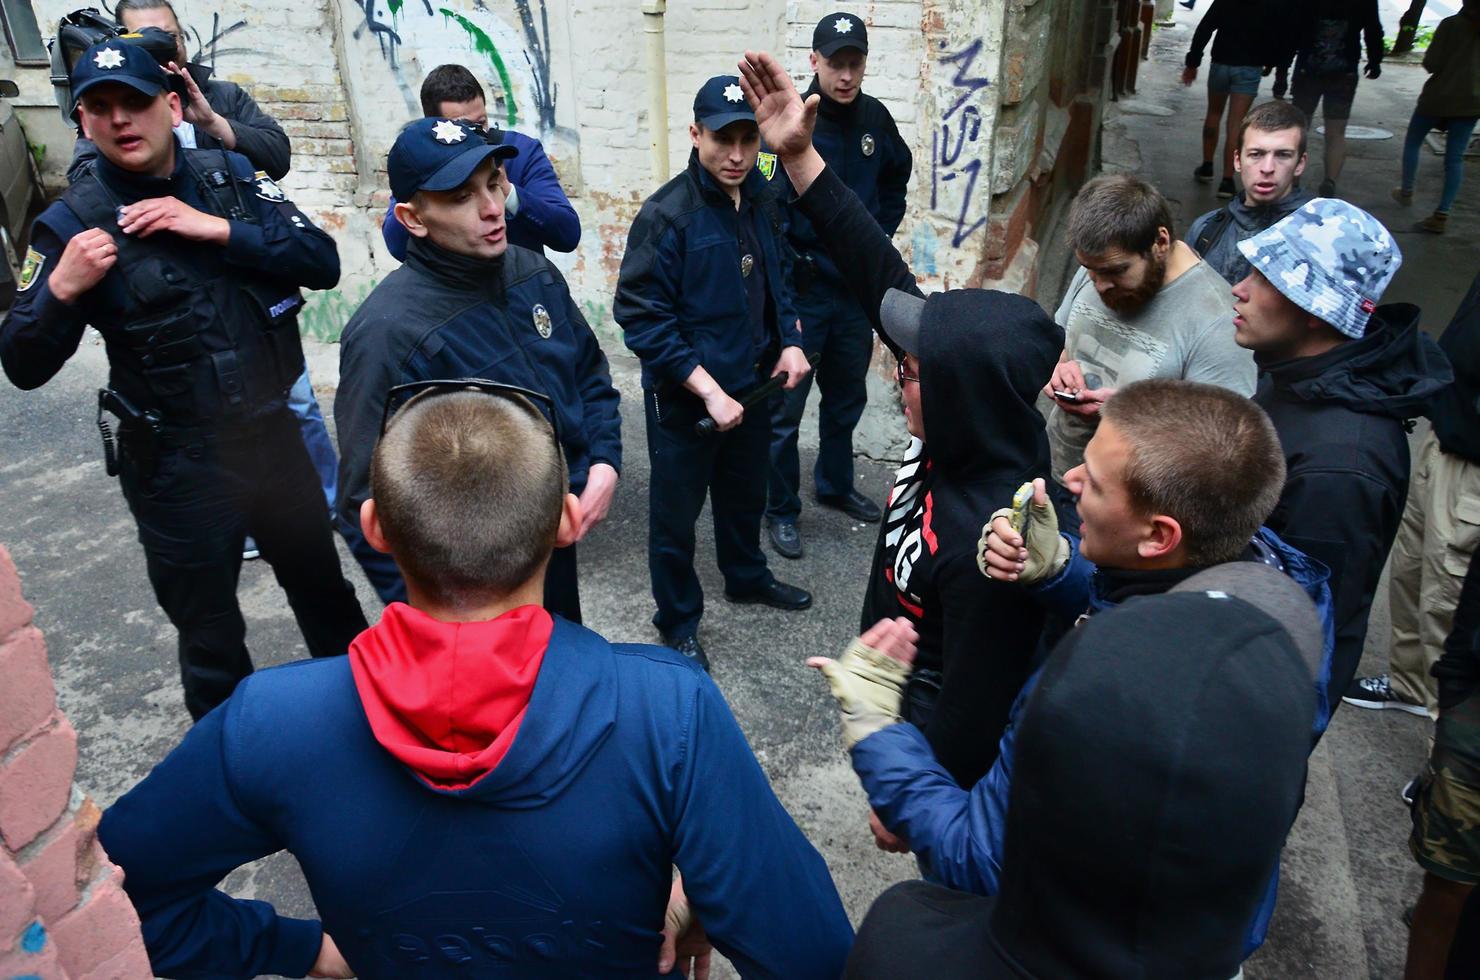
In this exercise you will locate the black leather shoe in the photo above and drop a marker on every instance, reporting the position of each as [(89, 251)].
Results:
[(854, 504), (690, 647), (777, 595), (785, 538)]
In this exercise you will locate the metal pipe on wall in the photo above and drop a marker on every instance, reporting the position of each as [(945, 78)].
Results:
[(657, 73)]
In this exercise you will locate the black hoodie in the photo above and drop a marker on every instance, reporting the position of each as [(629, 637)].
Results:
[(984, 357), (1341, 420)]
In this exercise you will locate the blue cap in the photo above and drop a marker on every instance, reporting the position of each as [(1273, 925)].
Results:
[(838, 31), (118, 61), (436, 154), (721, 102)]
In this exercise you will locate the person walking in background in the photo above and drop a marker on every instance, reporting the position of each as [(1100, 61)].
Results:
[(1450, 101), (1326, 46), (1241, 52)]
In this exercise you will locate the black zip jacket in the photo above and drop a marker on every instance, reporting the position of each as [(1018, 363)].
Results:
[(1301, 34), (985, 355), (259, 138), (681, 298), (1244, 37), (1341, 420), (442, 315)]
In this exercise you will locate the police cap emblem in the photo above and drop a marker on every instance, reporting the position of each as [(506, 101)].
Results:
[(108, 58), (449, 132), (542, 320), (867, 144)]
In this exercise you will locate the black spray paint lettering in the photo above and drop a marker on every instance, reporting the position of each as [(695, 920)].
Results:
[(947, 146)]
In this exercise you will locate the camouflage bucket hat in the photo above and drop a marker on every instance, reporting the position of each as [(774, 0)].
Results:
[(1331, 259)]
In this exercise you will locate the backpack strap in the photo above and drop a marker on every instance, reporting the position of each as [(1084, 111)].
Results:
[(1213, 230)]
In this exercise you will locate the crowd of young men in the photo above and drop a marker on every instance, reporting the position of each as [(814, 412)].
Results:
[(1227, 482)]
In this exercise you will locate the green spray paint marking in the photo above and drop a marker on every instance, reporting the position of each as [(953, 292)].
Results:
[(395, 6), (485, 46)]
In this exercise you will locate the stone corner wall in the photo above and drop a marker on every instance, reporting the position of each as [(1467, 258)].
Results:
[(63, 911)]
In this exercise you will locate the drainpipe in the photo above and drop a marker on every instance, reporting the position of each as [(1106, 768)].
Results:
[(657, 73)]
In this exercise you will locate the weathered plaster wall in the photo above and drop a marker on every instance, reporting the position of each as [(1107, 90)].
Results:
[(999, 99)]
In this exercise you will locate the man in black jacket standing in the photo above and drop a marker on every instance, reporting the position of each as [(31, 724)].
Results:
[(704, 301), (218, 114), (1439, 532), (856, 135), (1339, 377)]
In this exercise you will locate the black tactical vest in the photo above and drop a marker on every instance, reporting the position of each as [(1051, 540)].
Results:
[(203, 349)]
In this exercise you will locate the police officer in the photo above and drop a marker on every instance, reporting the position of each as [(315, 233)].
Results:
[(703, 299), (217, 114), (190, 269), (857, 137), (467, 304)]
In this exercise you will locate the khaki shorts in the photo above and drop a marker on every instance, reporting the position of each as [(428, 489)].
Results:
[(1446, 809)]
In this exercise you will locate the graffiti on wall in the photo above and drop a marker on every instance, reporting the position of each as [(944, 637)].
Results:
[(956, 157), (516, 61)]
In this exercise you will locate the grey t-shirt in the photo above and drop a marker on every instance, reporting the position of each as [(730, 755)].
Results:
[(1186, 331)]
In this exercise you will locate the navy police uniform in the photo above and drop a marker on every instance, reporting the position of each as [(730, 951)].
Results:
[(705, 284), (442, 315), (862, 146), (202, 345)]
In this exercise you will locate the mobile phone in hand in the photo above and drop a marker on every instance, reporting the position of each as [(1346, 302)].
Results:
[(1065, 396)]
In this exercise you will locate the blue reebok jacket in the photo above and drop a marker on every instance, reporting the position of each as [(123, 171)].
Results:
[(556, 863)]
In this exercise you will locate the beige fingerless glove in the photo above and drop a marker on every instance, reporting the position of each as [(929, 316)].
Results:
[(868, 686), (1048, 550)]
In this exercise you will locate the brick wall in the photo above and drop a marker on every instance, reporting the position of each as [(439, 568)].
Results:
[(63, 912)]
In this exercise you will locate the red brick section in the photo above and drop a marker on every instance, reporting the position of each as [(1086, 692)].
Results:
[(63, 912)]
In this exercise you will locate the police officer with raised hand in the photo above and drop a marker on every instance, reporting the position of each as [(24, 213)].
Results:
[(190, 268), (703, 299), (467, 303), (857, 137)]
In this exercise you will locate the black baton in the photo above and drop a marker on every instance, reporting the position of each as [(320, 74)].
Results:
[(708, 425)]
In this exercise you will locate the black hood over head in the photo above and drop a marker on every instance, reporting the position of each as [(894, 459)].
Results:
[(1160, 764), (984, 357), (1393, 370)]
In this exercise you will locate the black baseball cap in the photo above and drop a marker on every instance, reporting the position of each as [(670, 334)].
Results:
[(721, 102), (838, 31), (434, 154), (116, 60)]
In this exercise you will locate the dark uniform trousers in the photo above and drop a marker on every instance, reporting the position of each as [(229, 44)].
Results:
[(193, 507), (835, 327), (685, 466)]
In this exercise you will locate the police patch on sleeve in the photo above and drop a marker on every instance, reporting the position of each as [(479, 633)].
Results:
[(267, 188), (766, 164), (30, 268)]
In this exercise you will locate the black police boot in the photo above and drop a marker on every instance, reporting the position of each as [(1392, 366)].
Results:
[(785, 538), (777, 595), (854, 504), (690, 647)]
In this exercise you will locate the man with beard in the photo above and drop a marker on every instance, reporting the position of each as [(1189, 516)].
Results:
[(1143, 306)]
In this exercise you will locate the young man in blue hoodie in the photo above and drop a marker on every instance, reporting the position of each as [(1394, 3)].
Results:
[(479, 787)]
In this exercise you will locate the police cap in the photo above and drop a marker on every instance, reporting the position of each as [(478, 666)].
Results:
[(436, 154), (838, 31)]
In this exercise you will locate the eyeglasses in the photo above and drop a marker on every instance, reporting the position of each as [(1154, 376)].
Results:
[(400, 396), (902, 376)]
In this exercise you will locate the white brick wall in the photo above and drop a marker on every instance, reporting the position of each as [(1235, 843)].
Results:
[(342, 85)]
